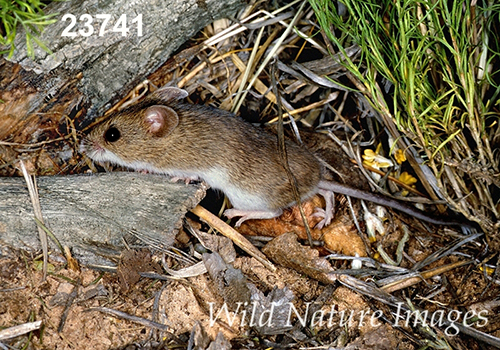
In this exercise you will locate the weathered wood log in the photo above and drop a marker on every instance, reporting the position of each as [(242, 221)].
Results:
[(96, 214), (44, 98)]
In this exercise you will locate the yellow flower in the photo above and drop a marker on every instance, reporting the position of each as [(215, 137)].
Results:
[(407, 178), (400, 156), (488, 269), (374, 159)]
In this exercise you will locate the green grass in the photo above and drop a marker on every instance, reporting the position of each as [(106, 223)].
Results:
[(28, 14), (441, 59)]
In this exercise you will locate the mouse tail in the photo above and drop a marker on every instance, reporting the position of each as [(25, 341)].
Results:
[(389, 202)]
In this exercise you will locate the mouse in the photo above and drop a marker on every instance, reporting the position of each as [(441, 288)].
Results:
[(164, 135)]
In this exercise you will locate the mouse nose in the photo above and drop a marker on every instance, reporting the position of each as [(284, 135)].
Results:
[(87, 147)]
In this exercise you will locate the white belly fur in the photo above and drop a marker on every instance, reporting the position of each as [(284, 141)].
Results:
[(215, 177)]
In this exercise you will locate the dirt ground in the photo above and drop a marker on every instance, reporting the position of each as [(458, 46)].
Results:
[(76, 308)]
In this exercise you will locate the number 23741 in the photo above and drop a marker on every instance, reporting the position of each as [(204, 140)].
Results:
[(87, 29)]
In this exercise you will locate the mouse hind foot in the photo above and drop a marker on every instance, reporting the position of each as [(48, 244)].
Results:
[(327, 213), (251, 214)]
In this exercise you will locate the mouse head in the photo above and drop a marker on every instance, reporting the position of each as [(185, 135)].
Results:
[(130, 136)]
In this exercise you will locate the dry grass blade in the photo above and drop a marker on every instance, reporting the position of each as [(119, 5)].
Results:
[(21, 329), (124, 315), (35, 201), (238, 28), (445, 251), (274, 50), (190, 271), (407, 281), (160, 246)]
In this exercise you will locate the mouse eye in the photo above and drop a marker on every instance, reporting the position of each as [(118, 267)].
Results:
[(112, 134)]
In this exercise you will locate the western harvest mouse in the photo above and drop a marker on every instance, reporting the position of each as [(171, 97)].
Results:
[(163, 135)]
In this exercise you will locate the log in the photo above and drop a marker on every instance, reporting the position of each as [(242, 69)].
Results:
[(95, 215)]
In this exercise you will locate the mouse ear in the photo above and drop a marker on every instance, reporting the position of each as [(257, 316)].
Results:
[(168, 93), (160, 120)]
